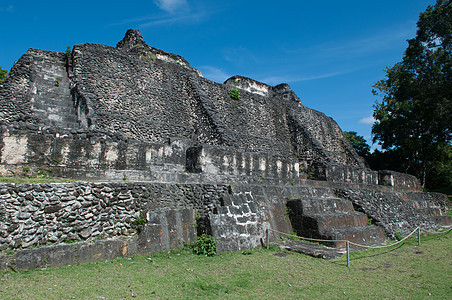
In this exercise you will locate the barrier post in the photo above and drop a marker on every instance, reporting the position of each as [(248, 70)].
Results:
[(348, 255), (268, 238), (418, 236)]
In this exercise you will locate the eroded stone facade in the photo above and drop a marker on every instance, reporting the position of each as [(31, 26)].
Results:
[(180, 151)]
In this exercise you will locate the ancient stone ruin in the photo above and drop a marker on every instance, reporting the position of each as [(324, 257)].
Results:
[(161, 154)]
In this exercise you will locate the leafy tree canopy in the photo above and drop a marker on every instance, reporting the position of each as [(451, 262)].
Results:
[(358, 142), (415, 115), (3, 74)]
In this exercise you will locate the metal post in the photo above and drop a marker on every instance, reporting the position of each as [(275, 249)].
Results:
[(418, 236), (268, 238), (348, 255)]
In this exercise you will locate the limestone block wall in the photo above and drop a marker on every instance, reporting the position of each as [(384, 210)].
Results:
[(239, 223), (37, 214), (14, 91), (138, 95), (399, 211), (344, 173), (399, 180), (335, 172), (97, 155), (124, 93), (84, 155), (223, 160), (33, 215), (254, 122)]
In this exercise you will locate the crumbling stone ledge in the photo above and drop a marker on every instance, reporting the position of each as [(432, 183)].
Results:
[(68, 254)]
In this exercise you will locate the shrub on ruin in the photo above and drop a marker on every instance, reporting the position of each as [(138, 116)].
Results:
[(204, 245), (234, 94), (139, 222)]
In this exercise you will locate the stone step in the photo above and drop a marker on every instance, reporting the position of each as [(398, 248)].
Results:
[(442, 220), (311, 249), (325, 221), (61, 111), (60, 124), (309, 192), (431, 212), (309, 206), (57, 120), (46, 104), (365, 235), (53, 92)]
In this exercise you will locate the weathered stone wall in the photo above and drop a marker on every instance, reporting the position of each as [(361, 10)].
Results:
[(399, 211), (344, 173), (30, 150), (135, 112), (148, 100), (237, 215), (142, 93), (223, 160), (14, 100), (399, 180), (254, 122), (37, 214)]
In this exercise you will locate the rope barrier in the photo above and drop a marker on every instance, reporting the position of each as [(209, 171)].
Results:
[(305, 238), (439, 232), (386, 246), (418, 229)]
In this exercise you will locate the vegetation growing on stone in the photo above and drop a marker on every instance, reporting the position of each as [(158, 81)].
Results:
[(3, 74), (234, 94)]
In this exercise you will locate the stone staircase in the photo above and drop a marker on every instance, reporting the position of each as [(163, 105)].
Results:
[(51, 97), (332, 219)]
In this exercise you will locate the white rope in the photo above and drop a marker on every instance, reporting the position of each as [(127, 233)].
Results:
[(385, 246), (351, 243), (307, 239), (439, 232), (364, 246)]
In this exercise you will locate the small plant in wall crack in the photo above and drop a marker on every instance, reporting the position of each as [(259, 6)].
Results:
[(234, 94), (67, 55), (139, 222)]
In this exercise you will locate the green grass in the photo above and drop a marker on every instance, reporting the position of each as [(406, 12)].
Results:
[(48, 180), (33, 179), (399, 272)]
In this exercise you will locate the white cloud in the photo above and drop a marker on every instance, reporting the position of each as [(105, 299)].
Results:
[(214, 74), (172, 6), (178, 15), (367, 120), (361, 47), (190, 18), (9, 8), (272, 80)]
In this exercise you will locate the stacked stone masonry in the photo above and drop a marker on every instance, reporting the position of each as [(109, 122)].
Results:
[(180, 152)]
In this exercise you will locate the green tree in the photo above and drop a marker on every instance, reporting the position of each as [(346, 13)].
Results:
[(415, 115), (3, 74), (358, 142)]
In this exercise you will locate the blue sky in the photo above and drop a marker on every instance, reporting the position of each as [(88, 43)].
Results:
[(329, 52)]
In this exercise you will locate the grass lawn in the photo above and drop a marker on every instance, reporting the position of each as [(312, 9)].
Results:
[(401, 272)]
